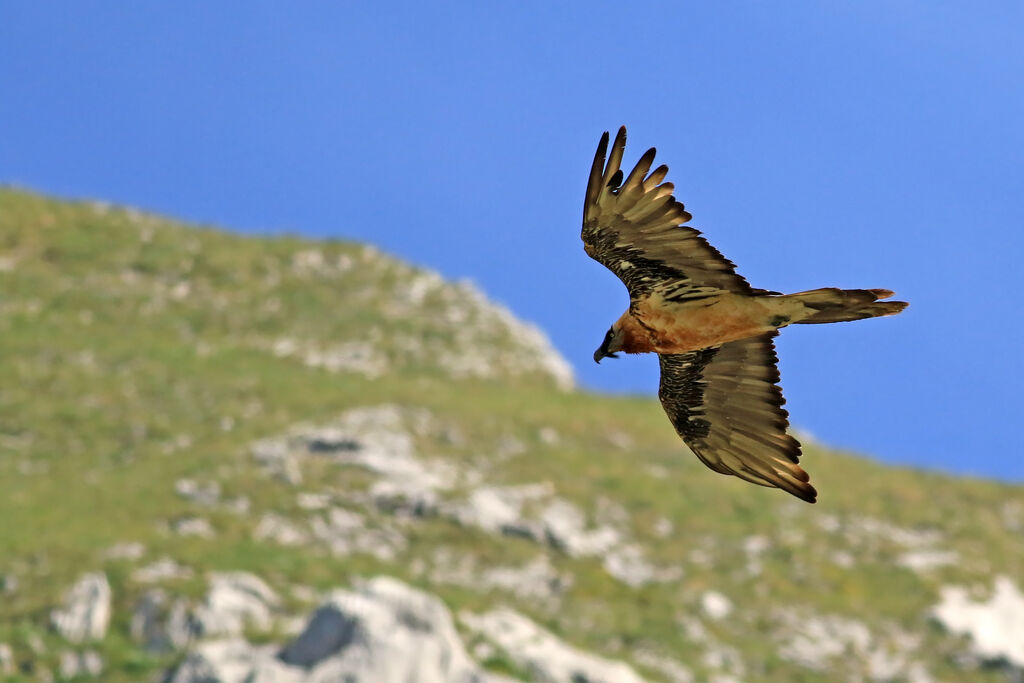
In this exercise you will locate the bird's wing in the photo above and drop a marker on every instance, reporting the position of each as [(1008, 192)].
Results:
[(725, 404), (634, 227)]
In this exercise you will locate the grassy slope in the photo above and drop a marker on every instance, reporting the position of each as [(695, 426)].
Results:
[(115, 382)]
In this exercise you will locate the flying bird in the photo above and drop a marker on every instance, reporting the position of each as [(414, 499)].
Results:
[(712, 331)]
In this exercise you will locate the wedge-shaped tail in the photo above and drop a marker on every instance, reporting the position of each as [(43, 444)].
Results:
[(833, 305)]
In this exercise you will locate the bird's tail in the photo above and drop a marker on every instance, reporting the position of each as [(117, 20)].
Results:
[(833, 305)]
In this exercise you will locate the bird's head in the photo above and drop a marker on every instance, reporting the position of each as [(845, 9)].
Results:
[(612, 343)]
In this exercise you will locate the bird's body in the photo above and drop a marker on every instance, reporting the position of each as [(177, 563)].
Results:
[(712, 331), (660, 326)]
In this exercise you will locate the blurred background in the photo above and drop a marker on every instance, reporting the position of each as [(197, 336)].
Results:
[(816, 144), (256, 395)]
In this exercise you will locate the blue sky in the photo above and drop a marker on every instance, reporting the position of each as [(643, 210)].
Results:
[(854, 144)]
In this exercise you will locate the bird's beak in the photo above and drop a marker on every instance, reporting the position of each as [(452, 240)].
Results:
[(602, 351)]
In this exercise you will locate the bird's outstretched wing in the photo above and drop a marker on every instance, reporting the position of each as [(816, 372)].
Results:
[(634, 227), (725, 404)]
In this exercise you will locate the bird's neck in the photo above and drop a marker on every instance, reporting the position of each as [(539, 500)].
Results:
[(635, 338)]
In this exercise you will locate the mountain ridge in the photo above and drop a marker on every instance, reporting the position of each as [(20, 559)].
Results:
[(318, 414)]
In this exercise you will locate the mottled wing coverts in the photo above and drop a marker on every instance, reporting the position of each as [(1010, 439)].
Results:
[(725, 404), (634, 227)]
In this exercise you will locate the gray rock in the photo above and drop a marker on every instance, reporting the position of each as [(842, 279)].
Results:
[(923, 561), (233, 660), (346, 532), (384, 446), (537, 579), (163, 569), (8, 584), (846, 648), (201, 493), (401, 498), (193, 526), (86, 611), (278, 460), (544, 657), (87, 663), (673, 670), (146, 627), (715, 605), (628, 564), (160, 624), (332, 628), (499, 509), (566, 530), (376, 438), (384, 632), (279, 529), (182, 626), (6, 659), (234, 602), (310, 500)]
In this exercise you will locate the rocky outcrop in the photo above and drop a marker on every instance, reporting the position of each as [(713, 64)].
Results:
[(6, 659), (201, 493), (80, 664), (234, 660), (164, 569), (837, 644), (543, 656), (86, 610), (161, 624), (383, 631), (995, 626), (236, 601)]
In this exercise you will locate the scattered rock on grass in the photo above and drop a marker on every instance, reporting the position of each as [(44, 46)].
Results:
[(86, 611)]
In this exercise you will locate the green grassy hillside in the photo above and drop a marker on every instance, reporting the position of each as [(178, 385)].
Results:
[(136, 352)]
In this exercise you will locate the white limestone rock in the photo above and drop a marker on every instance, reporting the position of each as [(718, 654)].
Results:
[(995, 626), (6, 659), (85, 614), (673, 670), (164, 569), (199, 527), (499, 509), (206, 494), (234, 660), (281, 530), (566, 529), (542, 655), (377, 438), (162, 624), (236, 601), (278, 459), (837, 645), (383, 632), (628, 564), (715, 605), (345, 532), (80, 664), (537, 580), (923, 561)]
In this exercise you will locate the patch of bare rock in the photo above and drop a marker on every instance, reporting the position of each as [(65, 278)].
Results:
[(382, 631), (995, 625)]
